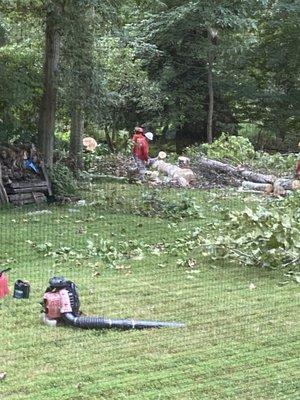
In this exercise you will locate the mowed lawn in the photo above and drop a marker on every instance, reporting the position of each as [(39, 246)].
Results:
[(241, 339)]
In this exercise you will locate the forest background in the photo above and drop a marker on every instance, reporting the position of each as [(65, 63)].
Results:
[(187, 70)]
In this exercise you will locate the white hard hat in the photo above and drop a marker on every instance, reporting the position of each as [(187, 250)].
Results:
[(149, 135)]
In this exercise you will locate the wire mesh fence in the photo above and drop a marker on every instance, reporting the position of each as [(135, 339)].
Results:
[(132, 255)]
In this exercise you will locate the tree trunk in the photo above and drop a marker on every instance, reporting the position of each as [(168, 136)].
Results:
[(236, 171), (109, 140), (48, 103), (210, 96), (76, 138), (256, 176), (213, 40), (217, 166)]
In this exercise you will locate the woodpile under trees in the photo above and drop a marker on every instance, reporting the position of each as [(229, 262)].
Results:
[(23, 176), (182, 175)]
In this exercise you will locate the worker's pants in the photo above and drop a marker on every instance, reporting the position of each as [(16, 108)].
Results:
[(141, 165)]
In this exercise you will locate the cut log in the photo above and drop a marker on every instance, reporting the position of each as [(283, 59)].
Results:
[(255, 176), (236, 171), (30, 190), (218, 166), (256, 186), (39, 198), (20, 197), (19, 185), (27, 198), (288, 184), (183, 162), (182, 176), (282, 185)]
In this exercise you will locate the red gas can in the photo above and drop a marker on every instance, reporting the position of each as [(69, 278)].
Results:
[(4, 291)]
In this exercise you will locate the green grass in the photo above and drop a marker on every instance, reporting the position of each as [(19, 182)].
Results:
[(238, 343)]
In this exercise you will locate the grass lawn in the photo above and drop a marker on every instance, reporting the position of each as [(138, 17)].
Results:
[(241, 339)]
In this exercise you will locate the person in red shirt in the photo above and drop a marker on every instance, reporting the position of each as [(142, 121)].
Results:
[(141, 151), (137, 136)]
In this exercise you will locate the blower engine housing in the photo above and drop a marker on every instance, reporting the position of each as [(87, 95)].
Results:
[(61, 297)]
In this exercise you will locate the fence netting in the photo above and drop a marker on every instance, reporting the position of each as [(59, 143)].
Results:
[(134, 253)]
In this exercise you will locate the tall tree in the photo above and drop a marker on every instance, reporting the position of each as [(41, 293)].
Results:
[(185, 61), (88, 20), (78, 58), (212, 37), (46, 124)]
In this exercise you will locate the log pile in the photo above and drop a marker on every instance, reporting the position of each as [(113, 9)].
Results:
[(23, 176), (249, 180), (208, 173), (176, 175)]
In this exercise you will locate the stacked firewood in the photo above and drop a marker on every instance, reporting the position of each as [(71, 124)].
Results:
[(23, 177)]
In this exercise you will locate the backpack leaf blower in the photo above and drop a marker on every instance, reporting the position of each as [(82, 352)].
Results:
[(61, 305)]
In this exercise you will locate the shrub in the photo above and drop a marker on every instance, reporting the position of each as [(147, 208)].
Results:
[(236, 149), (63, 181), (239, 150)]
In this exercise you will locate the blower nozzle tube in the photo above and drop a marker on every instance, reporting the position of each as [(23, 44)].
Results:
[(105, 323)]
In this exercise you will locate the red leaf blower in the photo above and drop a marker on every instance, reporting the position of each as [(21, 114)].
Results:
[(61, 305)]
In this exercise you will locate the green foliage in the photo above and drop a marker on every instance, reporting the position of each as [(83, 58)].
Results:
[(146, 62), (153, 203), (90, 159), (20, 78), (62, 139), (264, 237), (282, 164), (63, 181), (129, 94), (239, 150), (235, 148), (266, 73)]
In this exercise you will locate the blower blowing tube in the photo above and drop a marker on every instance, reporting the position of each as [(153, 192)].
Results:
[(61, 304), (105, 323)]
